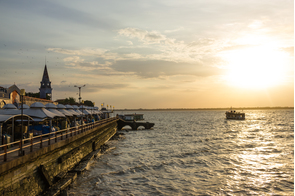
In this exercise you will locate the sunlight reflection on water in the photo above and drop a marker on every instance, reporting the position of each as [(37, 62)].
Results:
[(199, 152)]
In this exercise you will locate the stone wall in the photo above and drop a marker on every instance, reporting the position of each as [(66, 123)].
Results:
[(32, 174), (30, 100)]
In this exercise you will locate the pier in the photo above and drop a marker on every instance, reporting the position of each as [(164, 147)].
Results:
[(134, 124)]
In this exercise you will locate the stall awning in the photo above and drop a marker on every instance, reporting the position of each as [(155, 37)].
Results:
[(4, 118)]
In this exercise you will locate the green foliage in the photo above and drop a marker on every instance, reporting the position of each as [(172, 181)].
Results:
[(37, 95), (31, 94), (88, 103), (70, 101)]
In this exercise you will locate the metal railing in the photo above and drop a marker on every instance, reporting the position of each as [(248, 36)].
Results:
[(50, 137)]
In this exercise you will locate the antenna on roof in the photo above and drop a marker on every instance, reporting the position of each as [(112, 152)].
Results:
[(45, 60)]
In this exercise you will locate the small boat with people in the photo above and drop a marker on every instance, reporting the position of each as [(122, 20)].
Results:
[(233, 115)]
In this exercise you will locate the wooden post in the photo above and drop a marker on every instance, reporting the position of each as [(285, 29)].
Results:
[(20, 148), (31, 147), (1, 136), (5, 152), (50, 129), (13, 130)]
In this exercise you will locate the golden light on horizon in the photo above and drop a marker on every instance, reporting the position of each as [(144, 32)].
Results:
[(256, 67)]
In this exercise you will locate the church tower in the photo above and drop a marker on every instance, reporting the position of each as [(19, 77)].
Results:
[(45, 85)]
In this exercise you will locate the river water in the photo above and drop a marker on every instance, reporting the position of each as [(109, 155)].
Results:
[(198, 153)]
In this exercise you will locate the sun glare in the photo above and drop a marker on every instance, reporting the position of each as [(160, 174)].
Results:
[(258, 67)]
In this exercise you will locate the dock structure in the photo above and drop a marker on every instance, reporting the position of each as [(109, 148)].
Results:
[(50, 159), (134, 124)]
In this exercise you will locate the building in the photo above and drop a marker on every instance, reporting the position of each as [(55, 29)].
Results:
[(45, 87), (10, 95)]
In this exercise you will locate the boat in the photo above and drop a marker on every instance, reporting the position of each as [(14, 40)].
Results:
[(233, 115), (132, 117)]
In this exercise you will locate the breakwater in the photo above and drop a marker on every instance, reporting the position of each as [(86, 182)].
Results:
[(36, 171)]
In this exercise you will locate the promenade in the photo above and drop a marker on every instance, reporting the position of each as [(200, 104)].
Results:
[(11, 151)]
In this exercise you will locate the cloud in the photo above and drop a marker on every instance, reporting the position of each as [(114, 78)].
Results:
[(158, 68), (167, 57), (143, 35), (83, 52), (289, 50), (89, 88)]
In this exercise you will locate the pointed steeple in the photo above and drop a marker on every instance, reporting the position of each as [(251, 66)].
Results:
[(45, 77), (45, 84)]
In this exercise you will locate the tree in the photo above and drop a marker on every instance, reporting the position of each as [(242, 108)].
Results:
[(88, 103), (37, 95), (31, 94), (70, 101)]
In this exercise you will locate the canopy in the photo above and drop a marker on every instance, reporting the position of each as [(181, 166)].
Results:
[(4, 118), (61, 108), (25, 106), (70, 108), (76, 109), (10, 109), (84, 110), (38, 110), (52, 108)]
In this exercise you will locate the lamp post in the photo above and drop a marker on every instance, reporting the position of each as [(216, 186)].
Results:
[(93, 108), (82, 111), (79, 91), (22, 94)]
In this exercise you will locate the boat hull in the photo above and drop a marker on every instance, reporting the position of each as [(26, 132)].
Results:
[(235, 115)]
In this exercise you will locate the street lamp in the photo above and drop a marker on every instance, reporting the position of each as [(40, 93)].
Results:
[(82, 110), (22, 94), (93, 106), (79, 91)]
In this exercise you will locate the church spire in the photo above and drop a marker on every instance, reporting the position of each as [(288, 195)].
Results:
[(45, 87), (45, 77)]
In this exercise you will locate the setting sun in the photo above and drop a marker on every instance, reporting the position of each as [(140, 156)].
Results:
[(256, 67)]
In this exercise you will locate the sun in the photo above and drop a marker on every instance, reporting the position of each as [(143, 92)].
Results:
[(255, 67)]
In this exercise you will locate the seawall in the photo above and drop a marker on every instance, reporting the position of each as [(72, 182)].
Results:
[(34, 173)]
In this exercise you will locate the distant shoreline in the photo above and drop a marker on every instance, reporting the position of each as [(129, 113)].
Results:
[(192, 109)]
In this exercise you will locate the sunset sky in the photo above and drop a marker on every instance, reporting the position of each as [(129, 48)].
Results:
[(152, 54)]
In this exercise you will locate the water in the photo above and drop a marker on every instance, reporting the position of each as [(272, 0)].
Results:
[(198, 153)]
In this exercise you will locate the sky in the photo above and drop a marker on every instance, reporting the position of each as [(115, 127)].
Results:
[(152, 54)]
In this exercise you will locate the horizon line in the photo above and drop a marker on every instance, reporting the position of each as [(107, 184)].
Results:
[(221, 108)]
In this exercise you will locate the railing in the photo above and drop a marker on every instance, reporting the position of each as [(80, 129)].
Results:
[(57, 135)]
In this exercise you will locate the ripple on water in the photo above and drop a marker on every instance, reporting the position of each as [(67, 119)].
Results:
[(199, 153)]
